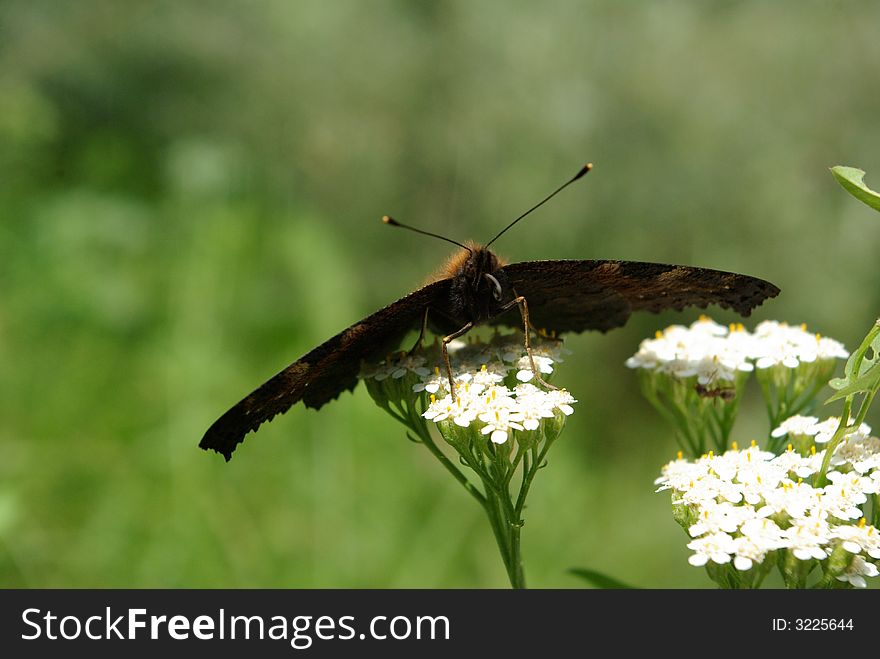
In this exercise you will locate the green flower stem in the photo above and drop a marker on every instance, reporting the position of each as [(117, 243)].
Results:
[(401, 384), (506, 532), (518, 580), (493, 512), (723, 414), (529, 475), (674, 416), (839, 434), (786, 395), (507, 535), (451, 468), (844, 428), (509, 517), (496, 502), (863, 410), (768, 402), (787, 409)]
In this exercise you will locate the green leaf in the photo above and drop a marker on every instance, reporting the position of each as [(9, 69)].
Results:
[(852, 180), (866, 382), (868, 377), (598, 579)]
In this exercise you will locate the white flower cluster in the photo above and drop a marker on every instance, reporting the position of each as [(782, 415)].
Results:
[(498, 410), (484, 364), (713, 352), (819, 431), (492, 385), (744, 504), (779, 343)]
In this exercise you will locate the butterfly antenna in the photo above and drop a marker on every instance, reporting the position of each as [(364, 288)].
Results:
[(582, 171), (390, 221)]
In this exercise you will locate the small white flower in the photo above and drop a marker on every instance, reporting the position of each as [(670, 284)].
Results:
[(780, 344), (830, 349), (542, 363), (456, 346), (807, 538), (747, 552), (758, 480), (681, 475), (855, 485), (407, 363), (860, 452), (500, 420), (460, 410), (561, 400), (792, 499), (792, 462), (857, 538), (764, 532), (797, 425), (489, 375), (724, 466), (433, 382), (857, 571), (838, 501), (717, 517), (716, 547), (747, 458), (709, 488), (824, 430), (706, 326), (378, 372), (534, 405)]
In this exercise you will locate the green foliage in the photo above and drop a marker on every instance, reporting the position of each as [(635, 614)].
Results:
[(191, 199), (598, 579), (862, 372), (852, 180)]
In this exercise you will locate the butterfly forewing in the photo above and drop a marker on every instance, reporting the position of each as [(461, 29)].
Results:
[(573, 296), (322, 374)]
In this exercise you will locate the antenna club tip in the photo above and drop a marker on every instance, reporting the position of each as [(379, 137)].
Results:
[(387, 219), (586, 168)]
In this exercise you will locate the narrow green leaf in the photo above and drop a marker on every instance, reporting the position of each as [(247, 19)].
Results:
[(598, 579), (865, 363), (852, 180), (868, 381)]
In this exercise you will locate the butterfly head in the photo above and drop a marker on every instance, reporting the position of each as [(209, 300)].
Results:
[(480, 288)]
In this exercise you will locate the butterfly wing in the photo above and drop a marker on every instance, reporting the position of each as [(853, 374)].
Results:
[(322, 374), (573, 296)]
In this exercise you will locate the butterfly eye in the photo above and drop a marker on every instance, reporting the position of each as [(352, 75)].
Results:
[(496, 292)]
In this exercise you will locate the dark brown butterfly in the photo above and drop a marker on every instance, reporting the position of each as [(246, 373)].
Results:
[(476, 287)]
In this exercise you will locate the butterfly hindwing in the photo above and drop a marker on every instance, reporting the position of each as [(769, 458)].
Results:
[(325, 372), (573, 296)]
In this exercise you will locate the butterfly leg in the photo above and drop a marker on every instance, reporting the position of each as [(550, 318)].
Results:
[(520, 301), (446, 341), (422, 331)]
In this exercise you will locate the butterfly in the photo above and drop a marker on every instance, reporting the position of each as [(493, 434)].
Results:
[(476, 287)]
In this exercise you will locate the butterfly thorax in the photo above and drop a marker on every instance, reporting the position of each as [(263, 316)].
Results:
[(479, 287)]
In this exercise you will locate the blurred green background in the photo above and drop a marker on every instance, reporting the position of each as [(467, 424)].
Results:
[(190, 196)]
